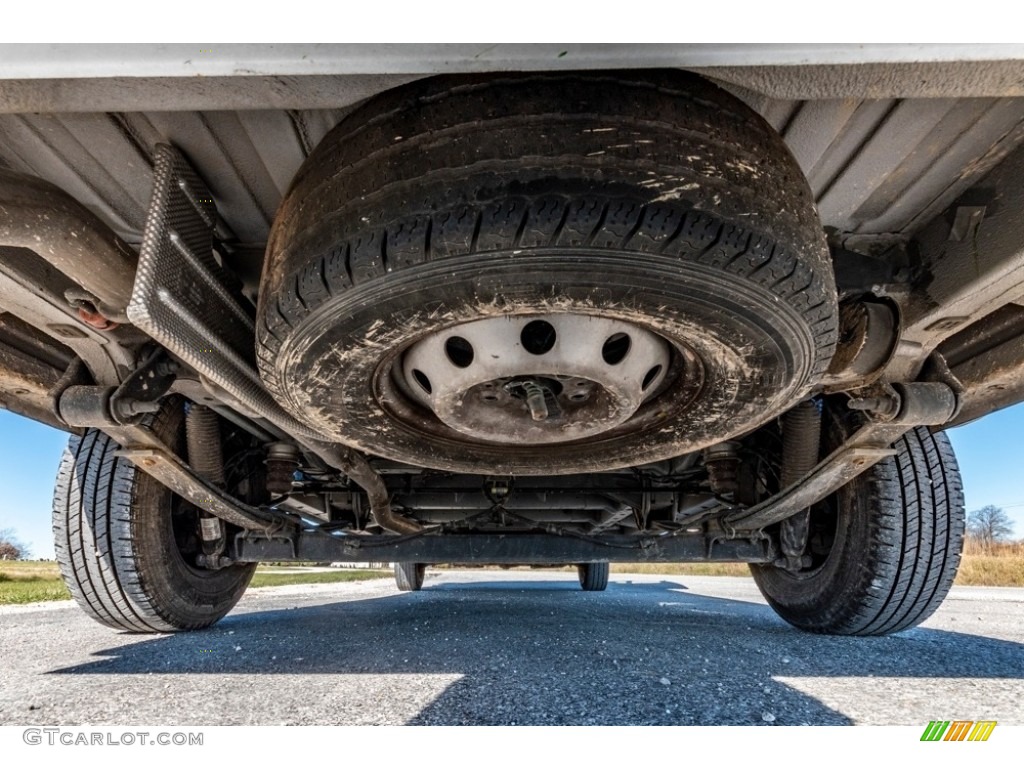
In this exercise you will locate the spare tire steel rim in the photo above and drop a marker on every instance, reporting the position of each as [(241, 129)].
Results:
[(537, 379)]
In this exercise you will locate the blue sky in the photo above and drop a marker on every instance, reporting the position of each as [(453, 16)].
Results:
[(990, 452)]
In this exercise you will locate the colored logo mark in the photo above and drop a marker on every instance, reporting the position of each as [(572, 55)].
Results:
[(958, 730)]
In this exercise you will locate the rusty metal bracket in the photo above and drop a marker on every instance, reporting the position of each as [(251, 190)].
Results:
[(141, 391), (172, 472)]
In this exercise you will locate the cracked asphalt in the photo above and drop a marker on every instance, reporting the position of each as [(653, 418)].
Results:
[(522, 647)]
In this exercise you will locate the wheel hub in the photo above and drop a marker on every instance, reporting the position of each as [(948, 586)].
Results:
[(539, 379)]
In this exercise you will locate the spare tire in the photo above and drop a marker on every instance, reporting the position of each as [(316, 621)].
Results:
[(654, 229)]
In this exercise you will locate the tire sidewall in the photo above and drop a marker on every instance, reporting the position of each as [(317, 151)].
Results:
[(829, 595)]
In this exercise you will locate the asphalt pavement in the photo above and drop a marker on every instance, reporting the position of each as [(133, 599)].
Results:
[(514, 647)]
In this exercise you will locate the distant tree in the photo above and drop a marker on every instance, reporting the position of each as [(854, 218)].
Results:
[(10, 547), (989, 525)]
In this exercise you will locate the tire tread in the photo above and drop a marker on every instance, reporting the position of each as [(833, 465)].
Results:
[(593, 576)]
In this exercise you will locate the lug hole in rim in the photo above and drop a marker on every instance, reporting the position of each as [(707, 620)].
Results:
[(650, 377), (538, 337), (615, 348), (422, 380), (481, 377), (459, 351)]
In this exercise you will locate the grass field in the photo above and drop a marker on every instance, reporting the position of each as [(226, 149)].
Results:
[(1001, 565), (31, 582), (34, 582), (316, 577)]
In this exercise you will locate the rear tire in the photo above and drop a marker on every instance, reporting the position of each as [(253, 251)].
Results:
[(119, 537), (593, 576), (896, 530), (409, 576)]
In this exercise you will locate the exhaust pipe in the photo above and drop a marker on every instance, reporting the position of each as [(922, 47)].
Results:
[(358, 469)]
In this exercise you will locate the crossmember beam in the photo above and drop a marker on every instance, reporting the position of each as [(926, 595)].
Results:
[(523, 549)]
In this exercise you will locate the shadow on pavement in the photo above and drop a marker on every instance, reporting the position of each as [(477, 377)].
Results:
[(544, 652)]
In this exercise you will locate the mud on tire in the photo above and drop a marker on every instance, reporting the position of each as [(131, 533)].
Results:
[(649, 197)]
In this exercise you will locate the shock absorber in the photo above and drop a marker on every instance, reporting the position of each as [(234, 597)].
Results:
[(801, 439), (206, 457)]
